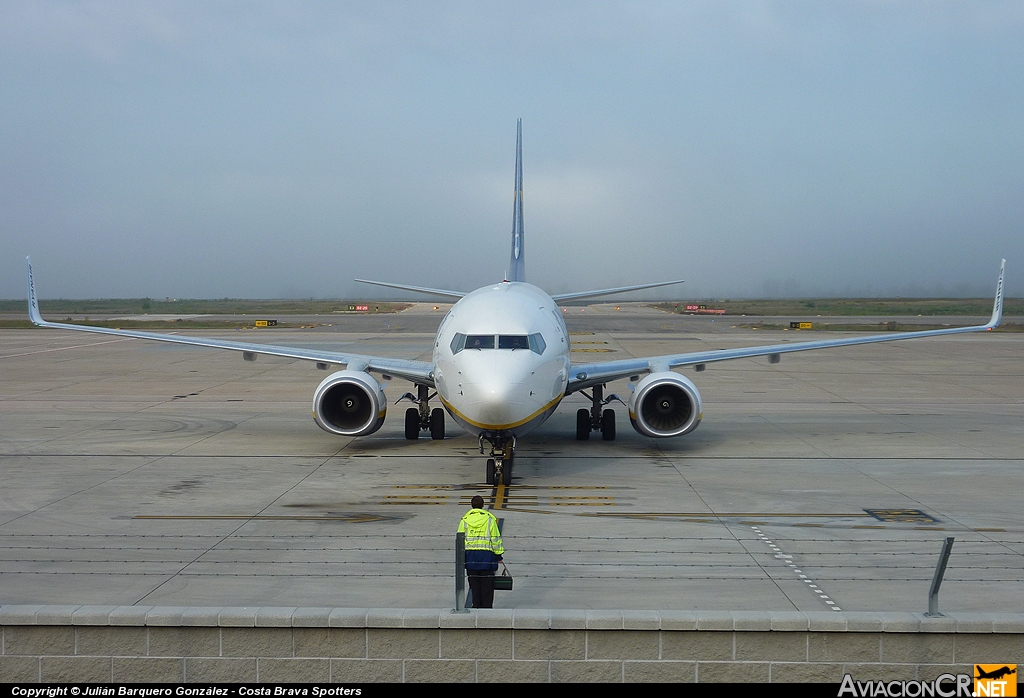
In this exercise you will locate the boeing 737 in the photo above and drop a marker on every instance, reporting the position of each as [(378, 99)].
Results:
[(501, 365)]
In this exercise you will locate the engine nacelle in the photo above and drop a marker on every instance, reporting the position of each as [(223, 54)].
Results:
[(665, 404), (349, 403)]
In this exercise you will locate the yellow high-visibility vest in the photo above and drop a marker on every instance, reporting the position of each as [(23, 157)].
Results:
[(481, 529)]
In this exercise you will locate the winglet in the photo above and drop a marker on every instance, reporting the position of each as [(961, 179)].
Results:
[(33, 304), (997, 305), (517, 262)]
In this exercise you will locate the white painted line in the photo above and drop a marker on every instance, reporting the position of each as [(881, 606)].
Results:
[(77, 346), (792, 565)]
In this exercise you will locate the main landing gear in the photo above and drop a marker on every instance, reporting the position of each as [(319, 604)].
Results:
[(422, 418), (596, 418), (499, 465)]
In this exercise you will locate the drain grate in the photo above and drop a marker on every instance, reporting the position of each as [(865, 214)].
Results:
[(902, 516)]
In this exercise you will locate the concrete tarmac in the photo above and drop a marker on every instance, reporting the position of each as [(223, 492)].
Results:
[(142, 473)]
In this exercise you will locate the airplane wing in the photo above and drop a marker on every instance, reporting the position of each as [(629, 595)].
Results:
[(415, 371), (606, 291), (588, 375), (417, 289)]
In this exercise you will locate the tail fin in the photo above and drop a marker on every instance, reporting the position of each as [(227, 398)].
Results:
[(517, 263)]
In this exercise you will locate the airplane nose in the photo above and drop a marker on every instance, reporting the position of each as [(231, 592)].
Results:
[(498, 402)]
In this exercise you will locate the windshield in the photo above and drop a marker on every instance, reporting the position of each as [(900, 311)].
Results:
[(513, 341), (534, 342)]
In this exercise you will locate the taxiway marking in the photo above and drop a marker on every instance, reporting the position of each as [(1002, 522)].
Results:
[(77, 346), (788, 559)]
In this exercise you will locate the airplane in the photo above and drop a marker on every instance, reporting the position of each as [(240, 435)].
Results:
[(501, 365), (995, 674)]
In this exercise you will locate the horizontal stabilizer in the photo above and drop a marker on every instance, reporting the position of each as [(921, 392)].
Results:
[(607, 291), (417, 289)]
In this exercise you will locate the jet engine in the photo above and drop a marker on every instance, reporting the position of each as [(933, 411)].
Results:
[(665, 404), (349, 403)]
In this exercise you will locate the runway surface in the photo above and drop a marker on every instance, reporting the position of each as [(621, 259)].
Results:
[(141, 473)]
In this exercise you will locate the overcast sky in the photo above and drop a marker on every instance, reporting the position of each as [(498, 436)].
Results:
[(279, 149)]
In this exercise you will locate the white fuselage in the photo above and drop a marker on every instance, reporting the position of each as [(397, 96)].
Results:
[(501, 359)]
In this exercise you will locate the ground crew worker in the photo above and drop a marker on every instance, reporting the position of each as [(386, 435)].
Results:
[(483, 551)]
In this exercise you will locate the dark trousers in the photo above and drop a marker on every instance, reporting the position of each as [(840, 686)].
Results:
[(481, 583)]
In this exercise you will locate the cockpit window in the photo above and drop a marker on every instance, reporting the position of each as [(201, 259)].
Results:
[(479, 341), (534, 342), (458, 342), (537, 344), (513, 341)]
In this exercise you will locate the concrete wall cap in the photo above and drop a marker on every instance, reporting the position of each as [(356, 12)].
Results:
[(348, 618), (384, 617), (714, 620), (311, 617), (421, 618), (55, 615), (531, 619), (128, 615), (454, 620), (201, 616), (826, 622), (92, 615), (678, 620), (641, 620), (238, 617), (275, 617), (603, 620), (18, 614), (751, 620), (792, 621), (1008, 623), (938, 624), (521, 618), (568, 619), (863, 622), (900, 622), (493, 617), (166, 615)]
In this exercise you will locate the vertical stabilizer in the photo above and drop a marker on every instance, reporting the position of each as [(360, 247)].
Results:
[(517, 263)]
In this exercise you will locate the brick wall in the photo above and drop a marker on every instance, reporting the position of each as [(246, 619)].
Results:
[(132, 643)]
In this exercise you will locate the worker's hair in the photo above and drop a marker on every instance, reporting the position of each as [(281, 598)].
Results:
[(477, 502)]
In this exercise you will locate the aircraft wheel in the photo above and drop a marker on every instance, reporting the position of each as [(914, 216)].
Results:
[(437, 424), (582, 425), (608, 425), (412, 424), (506, 472), (491, 479)]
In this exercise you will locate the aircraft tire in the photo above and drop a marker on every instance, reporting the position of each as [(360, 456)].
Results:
[(491, 476), (412, 424), (506, 473), (582, 425), (608, 425), (437, 424)]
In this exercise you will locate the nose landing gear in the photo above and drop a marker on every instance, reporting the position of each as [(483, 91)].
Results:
[(422, 418), (596, 418), (499, 465)]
